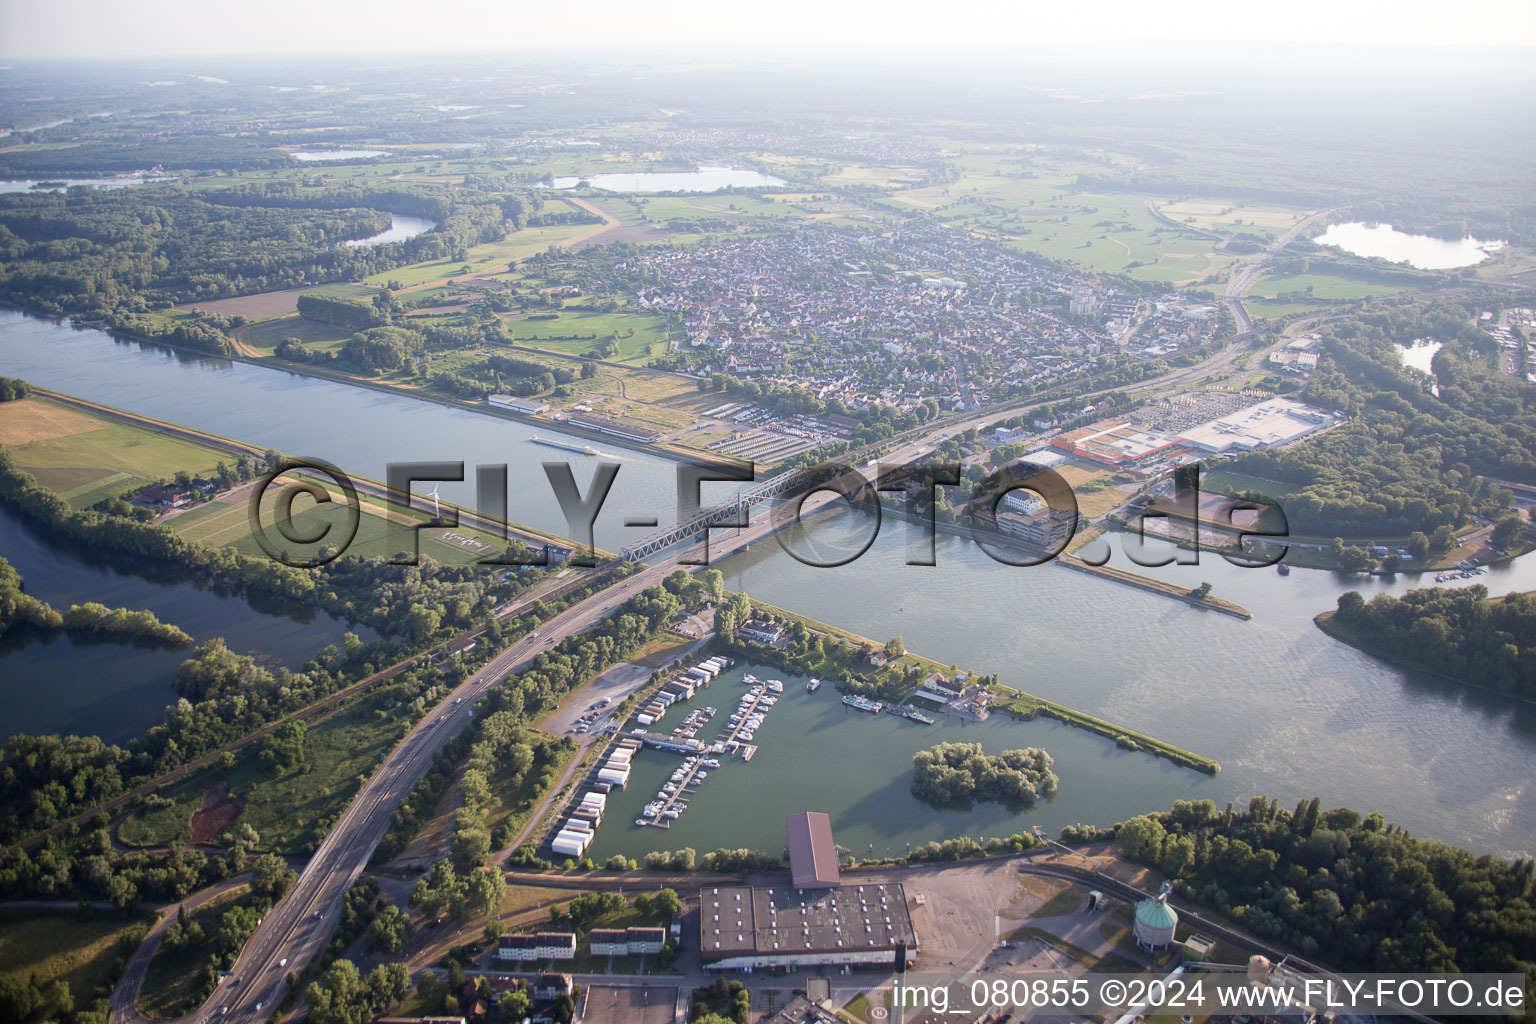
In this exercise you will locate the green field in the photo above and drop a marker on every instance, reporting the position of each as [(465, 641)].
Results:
[(489, 258), (640, 336), (1049, 215), (1320, 286), (290, 811), (316, 336), (84, 950), (84, 457), (224, 523)]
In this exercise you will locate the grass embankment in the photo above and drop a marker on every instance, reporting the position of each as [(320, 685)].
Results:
[(84, 949), (1173, 590), (1024, 705), (1027, 706), (174, 981)]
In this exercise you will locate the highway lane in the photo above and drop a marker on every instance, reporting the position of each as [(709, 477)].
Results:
[(296, 930)]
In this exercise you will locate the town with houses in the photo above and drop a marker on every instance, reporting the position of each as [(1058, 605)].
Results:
[(899, 317)]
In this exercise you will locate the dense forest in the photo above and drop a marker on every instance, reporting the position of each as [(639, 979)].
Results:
[(950, 773), (1408, 460), (132, 250), (1459, 632), (1355, 892)]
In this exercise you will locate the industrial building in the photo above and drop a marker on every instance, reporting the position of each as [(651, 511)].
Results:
[(812, 854), (1266, 425), (1119, 445), (527, 406), (749, 927), (628, 431)]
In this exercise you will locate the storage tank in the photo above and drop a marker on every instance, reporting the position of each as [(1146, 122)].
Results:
[(1156, 922)]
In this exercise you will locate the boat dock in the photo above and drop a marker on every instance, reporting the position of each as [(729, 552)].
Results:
[(700, 758)]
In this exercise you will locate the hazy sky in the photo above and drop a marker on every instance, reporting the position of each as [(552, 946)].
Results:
[(50, 28)]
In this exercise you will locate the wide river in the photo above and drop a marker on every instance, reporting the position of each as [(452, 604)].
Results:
[(1285, 709)]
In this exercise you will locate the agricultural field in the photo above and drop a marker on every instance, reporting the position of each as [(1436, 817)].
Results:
[(1231, 218), (270, 305), (488, 259), (263, 337), (84, 458), (1319, 286), (83, 949), (639, 336), (1047, 214)]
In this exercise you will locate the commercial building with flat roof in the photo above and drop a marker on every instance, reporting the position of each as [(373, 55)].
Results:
[(812, 854), (1266, 425), (601, 424), (1118, 444), (741, 926)]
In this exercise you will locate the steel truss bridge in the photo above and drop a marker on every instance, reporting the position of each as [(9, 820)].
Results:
[(733, 511)]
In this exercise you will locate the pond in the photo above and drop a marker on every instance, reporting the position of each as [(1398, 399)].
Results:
[(81, 684), (1425, 252), (400, 228)]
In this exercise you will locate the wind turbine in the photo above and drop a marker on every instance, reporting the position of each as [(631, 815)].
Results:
[(437, 510)]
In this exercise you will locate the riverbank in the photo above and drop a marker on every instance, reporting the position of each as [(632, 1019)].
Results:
[(1027, 706), (527, 534), (1328, 622), (663, 449), (1131, 579)]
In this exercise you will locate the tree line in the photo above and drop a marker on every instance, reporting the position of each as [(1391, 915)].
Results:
[(1458, 632), (958, 773), (1352, 890)]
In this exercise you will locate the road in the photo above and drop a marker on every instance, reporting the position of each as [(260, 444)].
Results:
[(1250, 270), (295, 931), (124, 996)]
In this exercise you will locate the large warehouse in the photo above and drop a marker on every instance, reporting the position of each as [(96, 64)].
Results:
[(812, 854), (1275, 422), (742, 926)]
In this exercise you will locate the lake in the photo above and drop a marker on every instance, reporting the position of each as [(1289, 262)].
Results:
[(400, 228), (1287, 710), (74, 683), (1425, 252), (1420, 355), (705, 179), (328, 155), (123, 181)]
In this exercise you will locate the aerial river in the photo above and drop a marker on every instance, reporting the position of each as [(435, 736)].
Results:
[(1285, 709)]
